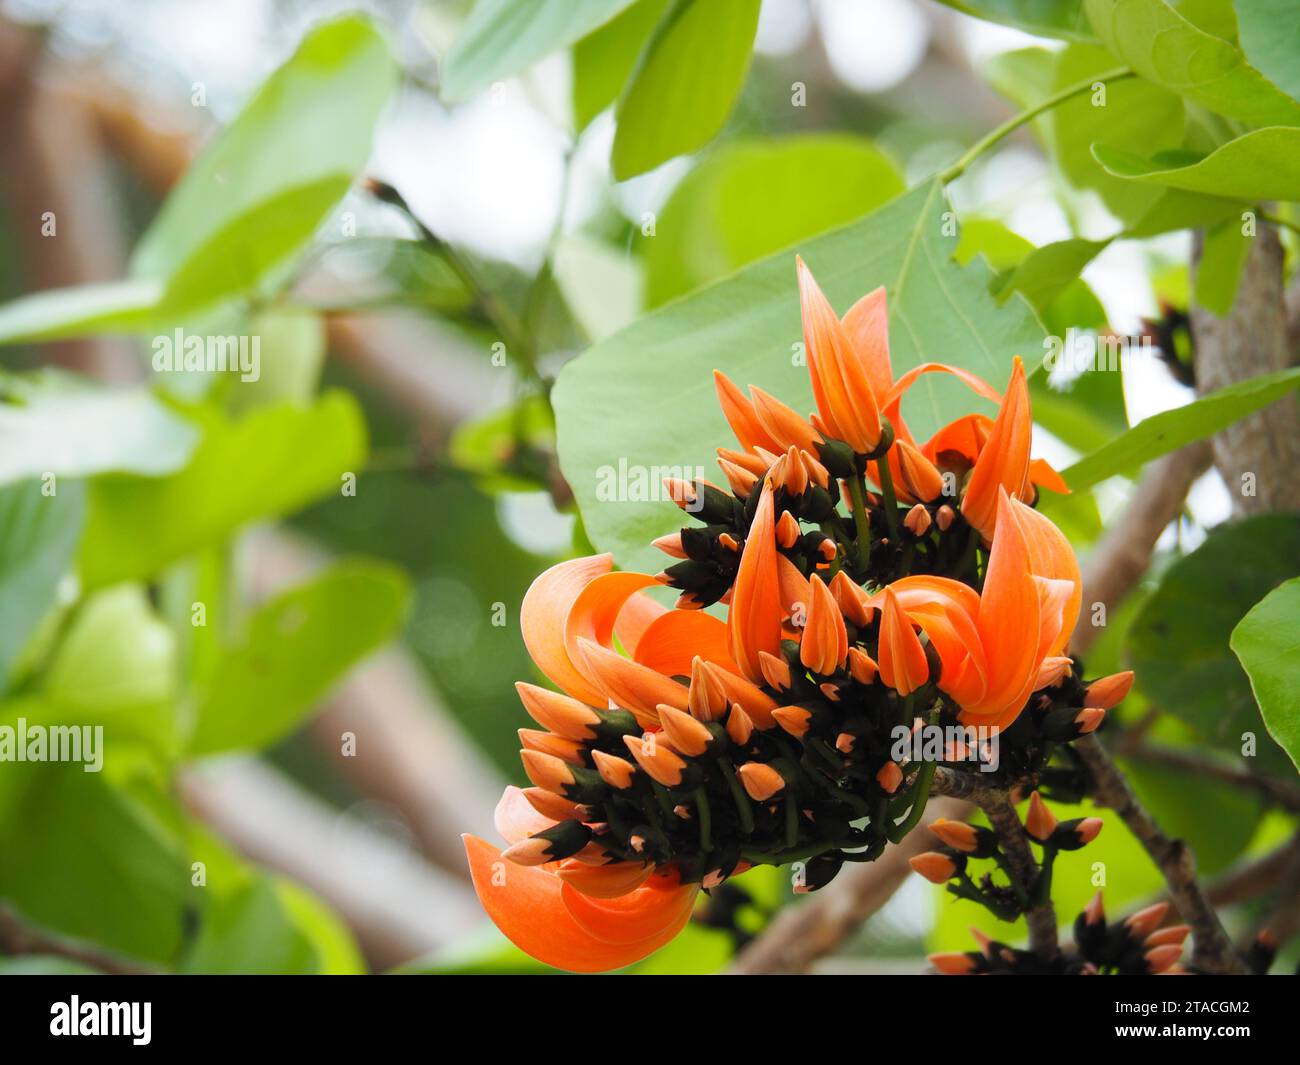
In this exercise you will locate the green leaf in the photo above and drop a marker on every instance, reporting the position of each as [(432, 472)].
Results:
[(270, 926), (271, 462), (111, 307), (1218, 272), (90, 860), (1267, 643), (1171, 429), (1263, 164), (503, 37), (1045, 272), (603, 60), (601, 284), (644, 398), (685, 84), (1268, 30), (1179, 644), (38, 536), (260, 190), (1045, 18), (297, 647), (798, 186), (58, 424), (1168, 49)]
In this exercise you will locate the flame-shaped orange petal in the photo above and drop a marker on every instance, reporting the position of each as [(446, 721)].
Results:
[(1004, 461), (825, 642), (902, 661), (741, 416), (677, 637), (841, 386), (596, 609), (867, 324), (754, 619), (629, 684), (516, 819), (1051, 556)]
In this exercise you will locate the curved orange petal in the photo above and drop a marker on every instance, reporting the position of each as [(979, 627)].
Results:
[(604, 881), (515, 818), (976, 384), (841, 386), (741, 416), (754, 620), (1051, 556), (966, 436), (783, 423), (629, 684), (648, 912), (751, 698), (673, 640), (542, 618), (527, 904), (637, 615), (1004, 461), (596, 609), (1042, 474), (867, 323)]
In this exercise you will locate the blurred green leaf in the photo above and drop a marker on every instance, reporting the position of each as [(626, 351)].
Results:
[(1045, 272), (271, 926), (260, 190), (1167, 49), (1045, 18), (38, 536), (89, 860), (748, 199), (1218, 272), (111, 307), (507, 449), (685, 84), (271, 462), (504, 37), (1268, 31), (1263, 164), (292, 351), (644, 397), (296, 648), (1267, 643), (1171, 429), (1179, 643), (58, 424), (604, 58), (600, 284)]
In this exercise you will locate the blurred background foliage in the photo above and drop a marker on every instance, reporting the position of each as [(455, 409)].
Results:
[(425, 212)]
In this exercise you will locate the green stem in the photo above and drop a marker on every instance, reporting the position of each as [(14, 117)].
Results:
[(921, 793), (743, 809), (862, 528), (705, 813), (1012, 124), (888, 499)]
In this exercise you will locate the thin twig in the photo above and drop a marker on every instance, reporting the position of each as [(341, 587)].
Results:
[(1212, 949), (1281, 792), (1041, 915), (18, 939)]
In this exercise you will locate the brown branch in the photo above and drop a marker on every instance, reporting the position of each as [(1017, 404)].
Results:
[(800, 935), (1281, 792), (1123, 554), (1284, 920), (18, 939), (1250, 880), (1213, 950), (1040, 916), (1253, 340)]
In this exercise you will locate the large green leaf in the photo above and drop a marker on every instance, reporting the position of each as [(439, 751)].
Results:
[(1045, 272), (1267, 642), (603, 60), (1223, 257), (111, 307), (1179, 644), (1168, 49), (297, 646), (1263, 164), (91, 860), (271, 462), (1046, 18), (685, 83), (504, 37), (55, 424), (38, 535), (644, 398), (1268, 31), (259, 191), (799, 186), (1171, 429)]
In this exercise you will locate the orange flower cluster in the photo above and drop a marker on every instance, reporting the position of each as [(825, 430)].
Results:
[(681, 748)]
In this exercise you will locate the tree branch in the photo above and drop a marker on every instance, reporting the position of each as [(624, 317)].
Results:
[(1281, 792), (1212, 950)]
